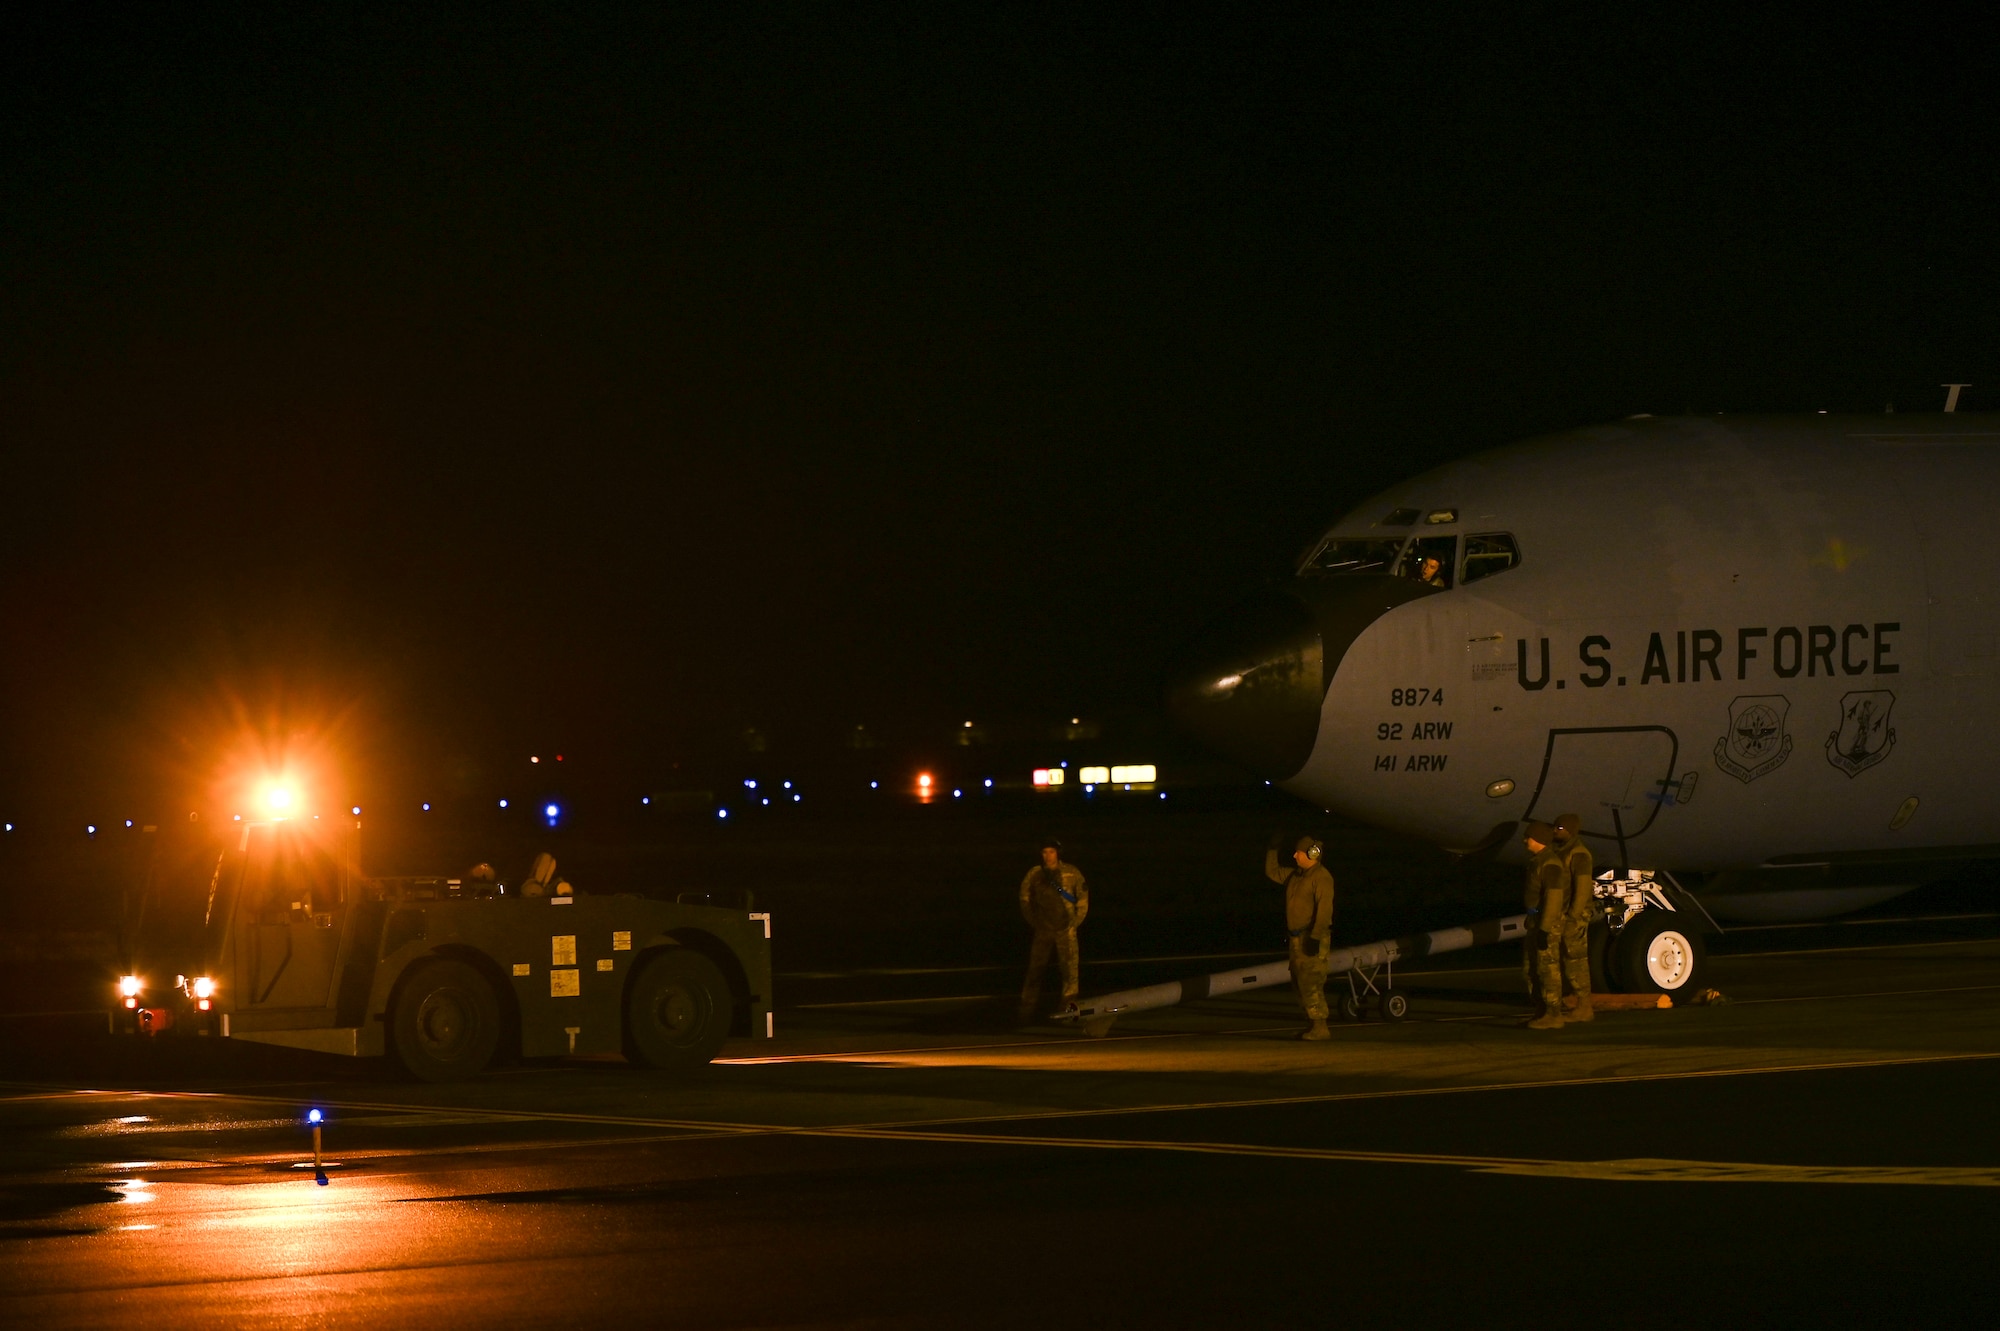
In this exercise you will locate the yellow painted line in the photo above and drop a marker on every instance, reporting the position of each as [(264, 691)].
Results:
[(1706, 1171), (1878, 993), (1864, 923), (706, 1127), (1067, 1040), (1636, 1170), (1864, 947), (1337, 1097), (927, 1130), (1624, 1171)]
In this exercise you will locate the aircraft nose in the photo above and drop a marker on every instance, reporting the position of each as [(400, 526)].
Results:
[(1250, 686)]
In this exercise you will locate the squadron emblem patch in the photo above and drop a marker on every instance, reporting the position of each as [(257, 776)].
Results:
[(1864, 736), (1756, 743)]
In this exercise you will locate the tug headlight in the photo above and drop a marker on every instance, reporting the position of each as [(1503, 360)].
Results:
[(204, 987), (130, 986)]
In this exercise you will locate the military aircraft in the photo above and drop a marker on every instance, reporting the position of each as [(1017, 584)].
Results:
[(1760, 652)]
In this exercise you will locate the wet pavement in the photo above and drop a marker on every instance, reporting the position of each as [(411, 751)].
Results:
[(1820, 1146)]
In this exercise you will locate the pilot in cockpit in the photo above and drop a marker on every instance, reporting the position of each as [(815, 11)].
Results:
[(1429, 560)]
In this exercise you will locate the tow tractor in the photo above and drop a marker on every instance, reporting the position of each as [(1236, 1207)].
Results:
[(277, 938)]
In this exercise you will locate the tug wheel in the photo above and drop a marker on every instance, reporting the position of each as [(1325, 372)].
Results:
[(676, 1012), (446, 1022)]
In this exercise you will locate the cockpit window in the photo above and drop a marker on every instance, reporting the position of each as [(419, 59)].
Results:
[(1359, 555), (1402, 517), (1430, 560), (1494, 552)]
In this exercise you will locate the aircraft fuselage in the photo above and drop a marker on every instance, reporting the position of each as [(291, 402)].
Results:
[(1736, 641)]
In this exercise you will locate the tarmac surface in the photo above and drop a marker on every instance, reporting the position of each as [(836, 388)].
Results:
[(1820, 1147)]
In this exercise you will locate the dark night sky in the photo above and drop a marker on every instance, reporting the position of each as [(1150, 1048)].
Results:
[(518, 378)]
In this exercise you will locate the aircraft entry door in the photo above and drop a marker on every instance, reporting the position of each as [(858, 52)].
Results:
[(1590, 772)]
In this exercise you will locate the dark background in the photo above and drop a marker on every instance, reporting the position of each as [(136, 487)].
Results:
[(416, 391)]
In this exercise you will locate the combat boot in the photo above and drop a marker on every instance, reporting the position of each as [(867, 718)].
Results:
[(1316, 1031), (1581, 1011), (1551, 1019)]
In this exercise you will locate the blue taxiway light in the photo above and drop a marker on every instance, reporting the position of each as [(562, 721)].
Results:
[(551, 811), (427, 808), (788, 785), (91, 830), (356, 811), (645, 799), (314, 1116), (722, 813), (503, 804), (872, 785)]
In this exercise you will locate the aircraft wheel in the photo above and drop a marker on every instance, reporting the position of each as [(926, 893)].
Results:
[(446, 1022), (1395, 1005), (1348, 1006), (677, 1012), (1656, 954)]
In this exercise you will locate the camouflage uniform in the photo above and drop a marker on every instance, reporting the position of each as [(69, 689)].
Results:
[(1581, 868), (1308, 927), (1547, 891), (1053, 902)]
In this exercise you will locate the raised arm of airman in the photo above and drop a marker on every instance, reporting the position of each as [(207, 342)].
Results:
[(1308, 926), (1054, 900)]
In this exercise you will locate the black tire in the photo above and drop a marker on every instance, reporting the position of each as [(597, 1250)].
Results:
[(1347, 1007), (445, 1022), (676, 1012), (1395, 1005), (1657, 953), (1600, 957)]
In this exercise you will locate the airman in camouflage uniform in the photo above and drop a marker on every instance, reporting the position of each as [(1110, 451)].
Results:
[(1054, 900), (1546, 895), (1581, 868), (1308, 926)]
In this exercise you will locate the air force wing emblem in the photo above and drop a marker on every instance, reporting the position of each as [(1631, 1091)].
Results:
[(1864, 736), (1755, 743)]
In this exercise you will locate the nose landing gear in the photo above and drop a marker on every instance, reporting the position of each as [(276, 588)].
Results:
[(1656, 941)]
